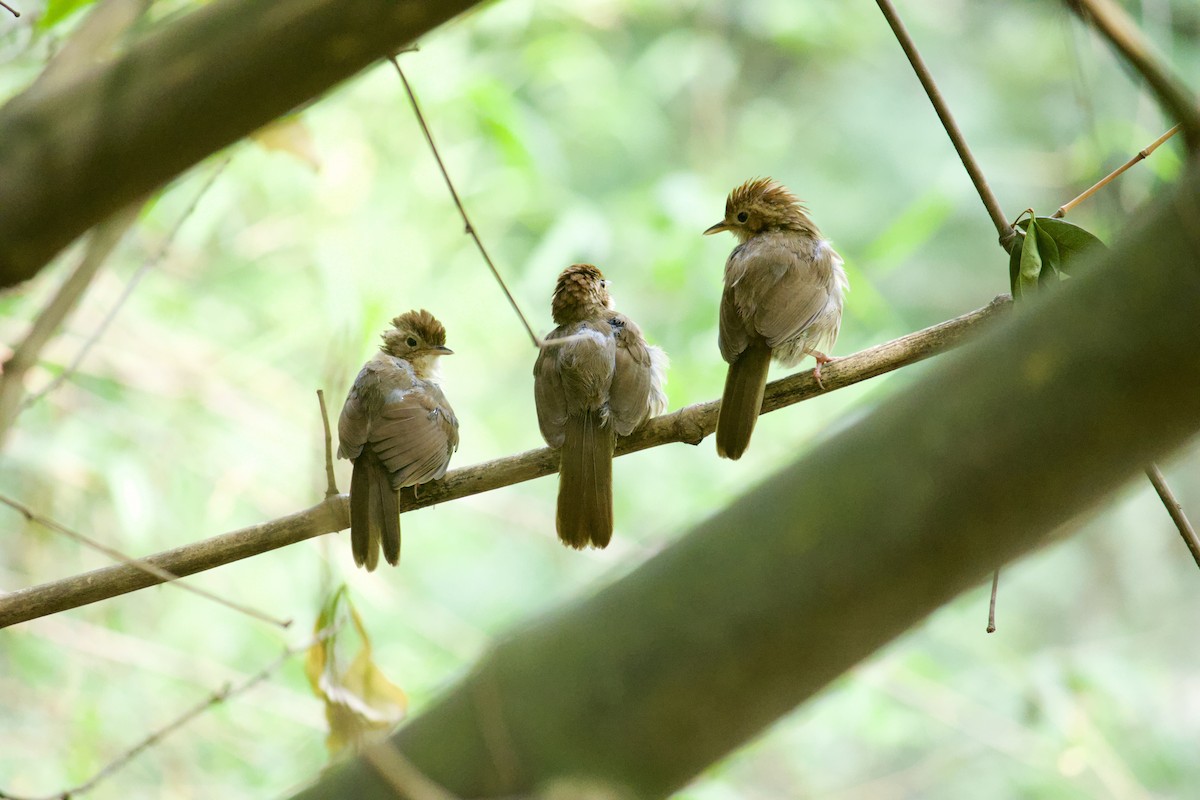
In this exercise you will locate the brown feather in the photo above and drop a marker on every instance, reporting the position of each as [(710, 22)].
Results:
[(585, 483), (366, 513), (742, 400)]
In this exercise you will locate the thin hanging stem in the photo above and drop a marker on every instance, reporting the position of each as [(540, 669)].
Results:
[(1175, 510), (470, 229), (1008, 235)]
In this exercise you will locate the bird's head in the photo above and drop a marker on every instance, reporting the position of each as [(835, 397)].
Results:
[(581, 293), (760, 205), (417, 337)]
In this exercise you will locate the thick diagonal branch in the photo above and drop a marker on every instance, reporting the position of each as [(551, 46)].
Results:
[(74, 152), (688, 425)]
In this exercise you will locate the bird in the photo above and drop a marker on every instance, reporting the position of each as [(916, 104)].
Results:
[(595, 378), (398, 430), (784, 290)]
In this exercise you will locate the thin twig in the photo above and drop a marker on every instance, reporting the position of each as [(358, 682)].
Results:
[(100, 244), (1115, 25), (1110, 177), (1008, 235), (402, 775), (145, 267), (331, 489), (11, 10), (152, 570), (222, 695), (690, 425), (991, 626), (470, 229), (1175, 510)]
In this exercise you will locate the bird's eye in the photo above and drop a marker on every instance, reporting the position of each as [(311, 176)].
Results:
[(742, 216), (411, 342)]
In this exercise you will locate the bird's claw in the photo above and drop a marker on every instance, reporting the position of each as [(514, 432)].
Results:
[(821, 359)]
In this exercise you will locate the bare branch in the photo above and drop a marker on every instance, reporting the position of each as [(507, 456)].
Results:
[(100, 245), (462, 211), (400, 773), (1115, 25), (149, 570), (225, 693), (10, 9), (331, 489), (140, 273), (1110, 177), (991, 626), (1175, 510), (688, 425), (1007, 235)]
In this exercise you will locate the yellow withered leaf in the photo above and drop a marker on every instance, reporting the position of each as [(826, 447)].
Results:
[(361, 704)]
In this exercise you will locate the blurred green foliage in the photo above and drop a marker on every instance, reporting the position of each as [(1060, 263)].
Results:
[(607, 131)]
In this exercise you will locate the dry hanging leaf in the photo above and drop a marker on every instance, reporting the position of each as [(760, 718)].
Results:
[(361, 704)]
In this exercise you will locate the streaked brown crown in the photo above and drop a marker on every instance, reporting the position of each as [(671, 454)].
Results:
[(581, 293), (419, 326), (766, 204)]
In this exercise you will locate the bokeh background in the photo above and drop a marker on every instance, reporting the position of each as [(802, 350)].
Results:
[(607, 131)]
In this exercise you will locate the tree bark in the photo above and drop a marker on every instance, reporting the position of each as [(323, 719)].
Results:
[(76, 151), (663, 672)]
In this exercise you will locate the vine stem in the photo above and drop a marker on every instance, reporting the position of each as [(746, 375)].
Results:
[(1008, 235)]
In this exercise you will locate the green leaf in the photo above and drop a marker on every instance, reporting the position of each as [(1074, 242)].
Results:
[(58, 10), (1075, 245), (1049, 251), (1031, 262), (1014, 265), (1058, 248)]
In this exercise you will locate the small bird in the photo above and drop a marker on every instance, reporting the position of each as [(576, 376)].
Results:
[(398, 429), (602, 380), (784, 288)]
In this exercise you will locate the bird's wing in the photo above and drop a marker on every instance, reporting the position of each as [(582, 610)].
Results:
[(574, 377), (733, 336), (784, 290), (638, 378), (414, 434), (586, 365), (362, 402), (548, 394)]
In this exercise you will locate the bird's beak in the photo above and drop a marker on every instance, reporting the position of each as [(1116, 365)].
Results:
[(442, 350), (720, 226)]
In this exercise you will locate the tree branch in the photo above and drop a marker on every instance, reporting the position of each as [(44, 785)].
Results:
[(12, 381), (1005, 231), (75, 152), (649, 680), (1175, 510), (688, 425), (1121, 32)]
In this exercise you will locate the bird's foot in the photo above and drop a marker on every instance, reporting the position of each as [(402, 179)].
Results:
[(821, 360)]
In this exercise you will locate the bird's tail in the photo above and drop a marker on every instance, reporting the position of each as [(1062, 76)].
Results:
[(742, 400), (585, 483), (374, 512)]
